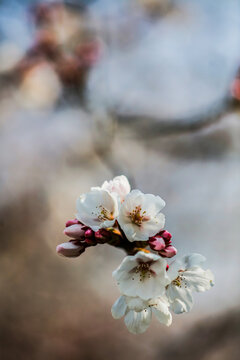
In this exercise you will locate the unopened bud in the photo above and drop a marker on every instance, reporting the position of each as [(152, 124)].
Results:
[(89, 233), (75, 231), (72, 222), (166, 235), (156, 243), (168, 252), (70, 249)]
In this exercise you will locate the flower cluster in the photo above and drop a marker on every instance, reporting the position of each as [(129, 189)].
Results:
[(133, 221)]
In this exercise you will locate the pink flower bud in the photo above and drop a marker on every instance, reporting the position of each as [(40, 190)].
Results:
[(156, 243), (168, 252), (72, 222), (70, 249), (161, 243), (75, 231), (166, 235), (89, 233)]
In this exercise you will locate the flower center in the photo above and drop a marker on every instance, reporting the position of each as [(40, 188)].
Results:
[(104, 214), (136, 216), (144, 270), (177, 281), (180, 281)]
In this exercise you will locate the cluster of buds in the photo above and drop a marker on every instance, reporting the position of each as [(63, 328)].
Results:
[(133, 221), (82, 237)]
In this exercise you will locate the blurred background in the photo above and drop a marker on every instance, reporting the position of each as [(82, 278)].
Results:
[(94, 89)]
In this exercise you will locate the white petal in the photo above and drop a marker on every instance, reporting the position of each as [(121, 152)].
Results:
[(119, 308), (138, 322), (146, 289), (180, 298), (128, 263), (96, 188), (134, 198), (131, 231), (153, 204), (179, 307), (160, 308), (136, 303), (123, 181), (184, 263), (198, 279), (153, 226), (148, 256), (159, 266)]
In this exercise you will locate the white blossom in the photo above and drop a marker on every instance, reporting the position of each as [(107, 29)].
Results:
[(186, 276), (119, 186), (138, 312), (143, 275), (97, 209), (140, 216)]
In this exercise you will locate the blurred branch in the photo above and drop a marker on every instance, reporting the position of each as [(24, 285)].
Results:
[(150, 127)]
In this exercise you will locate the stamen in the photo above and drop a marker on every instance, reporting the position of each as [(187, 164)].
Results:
[(180, 280), (104, 214), (144, 271), (177, 281), (136, 216)]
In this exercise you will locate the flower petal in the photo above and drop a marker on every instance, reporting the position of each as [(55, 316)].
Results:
[(198, 279), (179, 307), (136, 303), (153, 204), (119, 308), (180, 299), (138, 322), (161, 310), (152, 226)]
